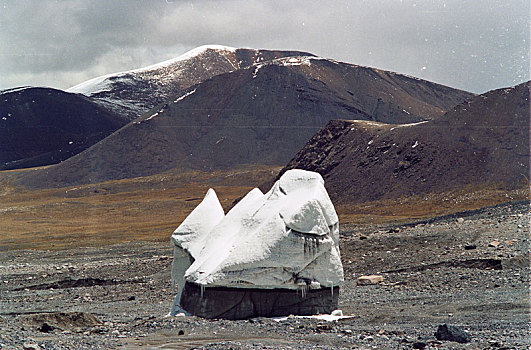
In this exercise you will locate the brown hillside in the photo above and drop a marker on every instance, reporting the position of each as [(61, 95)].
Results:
[(482, 142)]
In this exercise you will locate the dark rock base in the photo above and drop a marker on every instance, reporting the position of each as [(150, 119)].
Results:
[(242, 303)]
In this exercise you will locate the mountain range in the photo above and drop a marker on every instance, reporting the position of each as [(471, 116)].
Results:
[(372, 134), (260, 112)]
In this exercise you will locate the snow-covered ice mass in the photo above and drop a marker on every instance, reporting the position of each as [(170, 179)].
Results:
[(272, 254)]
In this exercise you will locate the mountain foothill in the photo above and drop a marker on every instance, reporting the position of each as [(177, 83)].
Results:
[(482, 142)]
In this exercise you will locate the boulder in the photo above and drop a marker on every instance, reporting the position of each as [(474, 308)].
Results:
[(494, 244), (452, 333), (370, 279)]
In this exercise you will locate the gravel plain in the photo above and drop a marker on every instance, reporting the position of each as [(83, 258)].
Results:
[(470, 270)]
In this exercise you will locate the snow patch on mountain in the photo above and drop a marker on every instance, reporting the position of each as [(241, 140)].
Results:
[(152, 116), (184, 96), (296, 61), (369, 123), (256, 69), (103, 83), (17, 89), (407, 125), (186, 56)]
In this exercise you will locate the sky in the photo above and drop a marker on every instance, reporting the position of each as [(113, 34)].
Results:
[(474, 45)]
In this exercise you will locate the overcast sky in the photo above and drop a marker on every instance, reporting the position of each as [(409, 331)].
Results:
[(476, 45)]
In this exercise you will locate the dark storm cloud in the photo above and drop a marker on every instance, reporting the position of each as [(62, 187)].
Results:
[(64, 35), (473, 45)]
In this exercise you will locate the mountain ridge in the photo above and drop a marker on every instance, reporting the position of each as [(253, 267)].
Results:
[(42, 126), (261, 114), (483, 141)]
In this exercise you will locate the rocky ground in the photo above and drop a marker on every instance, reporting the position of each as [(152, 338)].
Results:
[(470, 270)]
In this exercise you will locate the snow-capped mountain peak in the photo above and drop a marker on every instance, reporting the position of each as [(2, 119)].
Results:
[(133, 92), (97, 84), (188, 55)]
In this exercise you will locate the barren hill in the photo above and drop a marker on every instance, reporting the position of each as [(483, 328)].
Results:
[(262, 114), (40, 126), (482, 142)]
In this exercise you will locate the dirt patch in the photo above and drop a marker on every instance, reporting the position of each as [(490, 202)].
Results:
[(485, 264), (46, 322), (76, 283)]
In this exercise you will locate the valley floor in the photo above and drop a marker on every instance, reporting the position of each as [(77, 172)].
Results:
[(470, 270)]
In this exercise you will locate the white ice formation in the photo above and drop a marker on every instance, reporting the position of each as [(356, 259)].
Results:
[(287, 238)]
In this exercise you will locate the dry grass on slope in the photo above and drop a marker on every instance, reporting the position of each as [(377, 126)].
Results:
[(424, 206), (150, 208), (147, 208)]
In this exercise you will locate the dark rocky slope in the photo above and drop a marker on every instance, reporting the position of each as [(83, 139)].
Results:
[(41, 126), (484, 141)]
